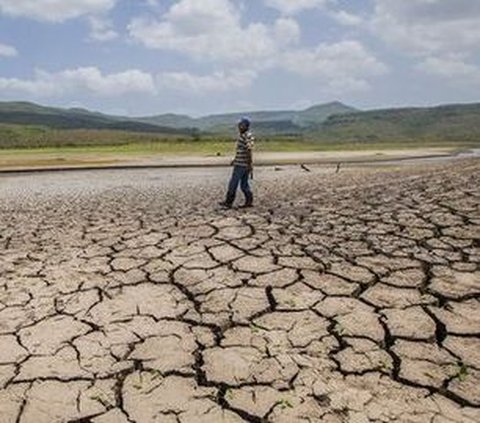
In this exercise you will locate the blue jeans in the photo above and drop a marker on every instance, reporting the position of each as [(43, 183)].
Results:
[(240, 176)]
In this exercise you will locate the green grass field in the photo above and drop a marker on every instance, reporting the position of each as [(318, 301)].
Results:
[(25, 146), (212, 147), (17, 138)]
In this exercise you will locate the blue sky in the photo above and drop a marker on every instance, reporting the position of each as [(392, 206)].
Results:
[(141, 57)]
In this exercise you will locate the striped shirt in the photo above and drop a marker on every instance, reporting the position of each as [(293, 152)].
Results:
[(245, 143)]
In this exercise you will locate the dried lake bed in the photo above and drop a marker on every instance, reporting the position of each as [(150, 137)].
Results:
[(129, 296)]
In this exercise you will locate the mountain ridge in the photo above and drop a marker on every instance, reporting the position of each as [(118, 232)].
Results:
[(332, 122), (211, 122), (222, 121)]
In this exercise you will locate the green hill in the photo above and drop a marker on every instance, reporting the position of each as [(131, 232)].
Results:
[(24, 113), (456, 122)]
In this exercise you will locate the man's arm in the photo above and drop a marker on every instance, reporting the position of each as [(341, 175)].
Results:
[(250, 144)]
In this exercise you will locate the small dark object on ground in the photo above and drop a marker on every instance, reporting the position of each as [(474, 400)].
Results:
[(277, 169), (219, 154), (305, 168), (338, 167)]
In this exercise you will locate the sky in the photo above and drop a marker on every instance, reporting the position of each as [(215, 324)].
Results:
[(197, 57)]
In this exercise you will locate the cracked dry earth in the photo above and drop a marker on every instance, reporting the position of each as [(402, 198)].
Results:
[(340, 298)]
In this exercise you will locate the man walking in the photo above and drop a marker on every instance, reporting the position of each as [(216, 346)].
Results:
[(242, 166)]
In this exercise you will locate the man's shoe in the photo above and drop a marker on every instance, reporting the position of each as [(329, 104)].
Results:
[(246, 206), (225, 205)]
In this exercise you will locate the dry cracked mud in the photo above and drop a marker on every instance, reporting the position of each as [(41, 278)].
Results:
[(351, 297)]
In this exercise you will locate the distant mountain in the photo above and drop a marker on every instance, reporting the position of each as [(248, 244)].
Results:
[(224, 122), (170, 119), (24, 113), (27, 107), (318, 114)]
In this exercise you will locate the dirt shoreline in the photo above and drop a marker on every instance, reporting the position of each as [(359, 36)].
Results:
[(262, 159)]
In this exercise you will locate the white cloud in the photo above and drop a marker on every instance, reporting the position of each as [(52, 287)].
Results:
[(287, 31), (54, 10), (101, 29), (91, 81), (87, 80), (347, 19), (343, 66), (196, 84), (429, 27), (212, 30), (451, 68), (290, 7), (7, 50)]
